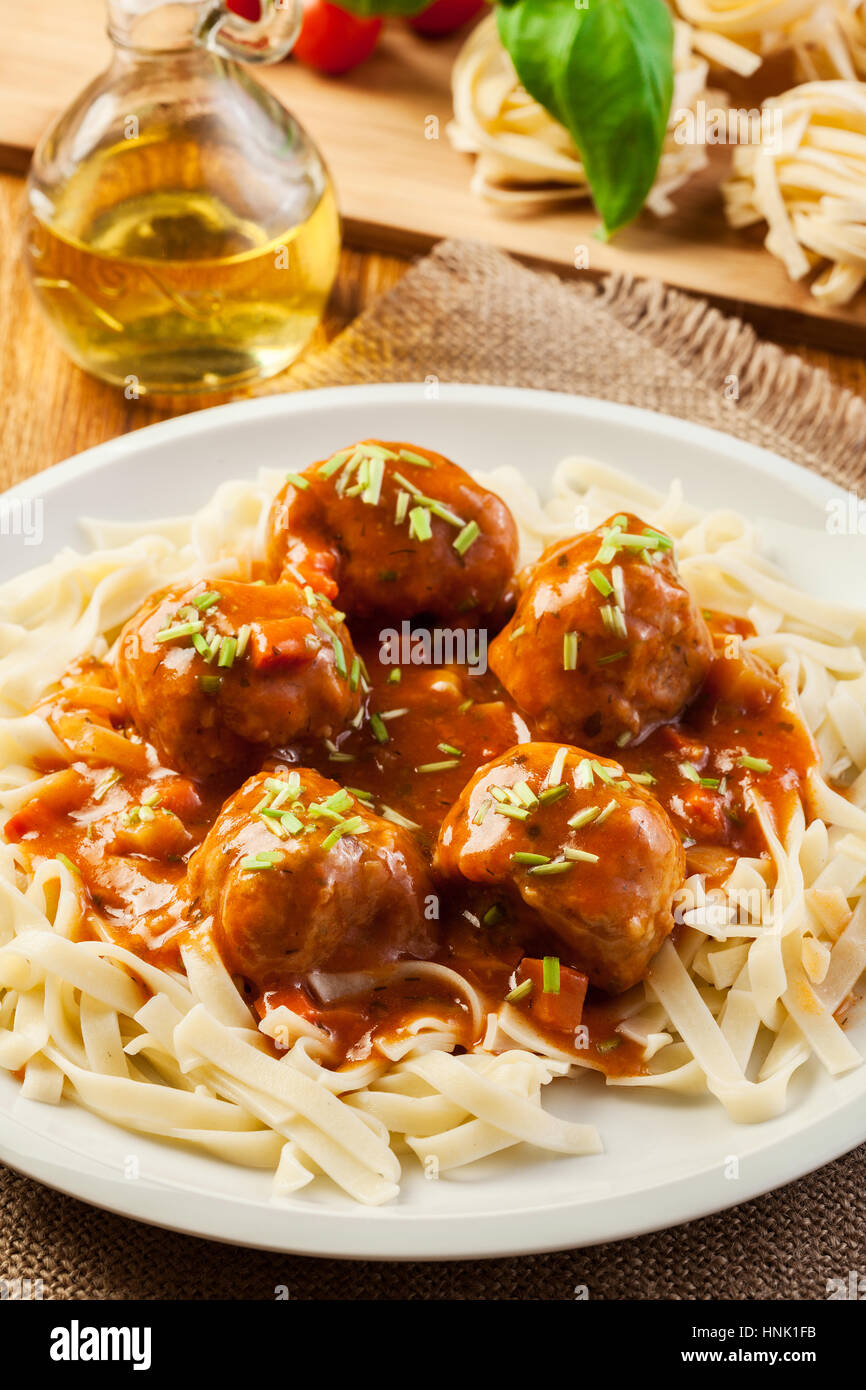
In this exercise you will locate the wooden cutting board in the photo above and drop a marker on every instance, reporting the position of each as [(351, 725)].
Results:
[(401, 191)]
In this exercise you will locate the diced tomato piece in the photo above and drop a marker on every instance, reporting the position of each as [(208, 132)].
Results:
[(280, 642), (561, 1012), (65, 792), (704, 810), (178, 794)]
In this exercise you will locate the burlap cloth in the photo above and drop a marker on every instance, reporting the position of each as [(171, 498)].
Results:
[(468, 313)]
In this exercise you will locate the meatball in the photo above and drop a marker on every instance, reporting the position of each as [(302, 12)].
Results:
[(215, 674), (593, 855), (606, 643), (299, 875), (396, 531)]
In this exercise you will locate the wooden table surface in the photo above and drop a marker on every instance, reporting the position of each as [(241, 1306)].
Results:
[(51, 409)]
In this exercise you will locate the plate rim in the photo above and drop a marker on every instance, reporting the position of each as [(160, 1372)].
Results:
[(384, 1233)]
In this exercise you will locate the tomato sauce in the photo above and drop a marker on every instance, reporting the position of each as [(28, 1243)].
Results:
[(128, 825)]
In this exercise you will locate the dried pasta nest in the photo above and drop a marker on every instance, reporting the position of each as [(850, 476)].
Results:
[(526, 158), (810, 187), (828, 39)]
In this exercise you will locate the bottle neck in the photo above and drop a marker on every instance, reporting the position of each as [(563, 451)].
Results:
[(152, 26)]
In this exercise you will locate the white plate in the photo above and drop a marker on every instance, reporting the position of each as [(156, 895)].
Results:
[(667, 1159)]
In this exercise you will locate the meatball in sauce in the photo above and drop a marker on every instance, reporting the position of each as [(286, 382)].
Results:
[(606, 643), (216, 674), (395, 531), (299, 875), (589, 852)]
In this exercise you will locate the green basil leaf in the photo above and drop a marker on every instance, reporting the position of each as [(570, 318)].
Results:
[(366, 8), (539, 35), (605, 72)]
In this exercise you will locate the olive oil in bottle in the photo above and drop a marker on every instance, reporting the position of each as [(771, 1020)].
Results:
[(192, 242)]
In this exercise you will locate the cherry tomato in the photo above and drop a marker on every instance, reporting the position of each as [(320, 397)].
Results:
[(334, 41), (444, 16), (247, 9)]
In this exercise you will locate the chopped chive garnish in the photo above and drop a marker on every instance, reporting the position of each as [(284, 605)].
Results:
[(228, 649), (377, 451), (498, 793), (345, 827), (470, 533), (609, 545), (723, 786), (570, 648), (243, 640), (106, 784), (517, 632), (210, 684), (355, 674), (519, 992), (523, 856), (254, 863), (643, 779), (554, 777), (525, 795), (711, 782), (663, 542), (444, 513), (395, 675), (608, 811), (388, 813), (613, 619), (608, 1044), (755, 764), (398, 714), (168, 634), (373, 490), (550, 974), (478, 818), (559, 866), (603, 772), (401, 508), (493, 915), (608, 660), (467, 704), (419, 524), (201, 646), (623, 738), (584, 817), (584, 776), (552, 794), (646, 542), (206, 601), (380, 733), (404, 482), (151, 797), (145, 813), (325, 470), (214, 645), (409, 456), (438, 767), (290, 822), (297, 481), (515, 812), (449, 748), (605, 588), (580, 856), (690, 772), (360, 793), (283, 795), (67, 862), (339, 656)]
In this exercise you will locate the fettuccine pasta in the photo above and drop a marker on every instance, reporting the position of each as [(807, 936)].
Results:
[(734, 1004), (811, 190)]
